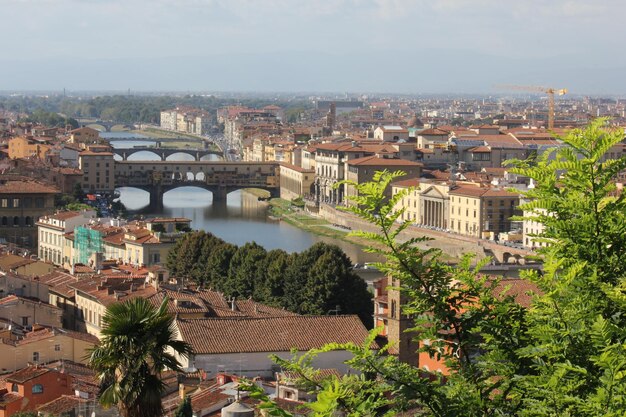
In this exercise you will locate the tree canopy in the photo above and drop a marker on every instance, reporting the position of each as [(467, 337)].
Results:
[(319, 280), (563, 355)]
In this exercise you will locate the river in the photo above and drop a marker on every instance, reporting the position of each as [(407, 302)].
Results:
[(241, 219)]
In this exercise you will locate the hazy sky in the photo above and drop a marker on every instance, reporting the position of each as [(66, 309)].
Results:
[(305, 45)]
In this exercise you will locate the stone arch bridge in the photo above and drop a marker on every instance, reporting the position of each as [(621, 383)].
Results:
[(220, 178), (103, 125), (164, 153)]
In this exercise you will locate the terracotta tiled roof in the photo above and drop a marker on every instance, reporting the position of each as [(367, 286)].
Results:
[(111, 290), (64, 215), (9, 261), (297, 168), (213, 304), (275, 334), (26, 374), (480, 149), (377, 161), (62, 404), (413, 182), (433, 132), (519, 289), (470, 191), (500, 141), (27, 187)]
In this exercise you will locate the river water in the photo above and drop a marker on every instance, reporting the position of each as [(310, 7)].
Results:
[(241, 219)]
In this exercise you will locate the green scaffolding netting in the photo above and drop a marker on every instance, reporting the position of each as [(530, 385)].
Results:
[(86, 242)]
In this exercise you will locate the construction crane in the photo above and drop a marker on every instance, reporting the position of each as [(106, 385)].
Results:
[(535, 89)]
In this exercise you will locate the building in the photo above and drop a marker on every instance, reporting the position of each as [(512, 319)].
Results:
[(243, 345), (98, 168), (29, 147), (28, 312), (391, 133), (330, 165), (52, 230), (296, 182), (187, 120), (388, 301), (482, 212), (84, 136), (25, 390), (94, 295), (21, 204), (427, 203), (533, 229), (139, 243), (23, 265), (42, 345), (432, 138), (363, 169)]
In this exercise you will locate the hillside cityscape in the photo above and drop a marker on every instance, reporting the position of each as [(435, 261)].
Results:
[(303, 209)]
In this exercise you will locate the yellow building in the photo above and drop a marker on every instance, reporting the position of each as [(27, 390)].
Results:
[(362, 170), (84, 136), (482, 212), (94, 295), (427, 204), (296, 182), (42, 345), (52, 230), (98, 168), (29, 147)]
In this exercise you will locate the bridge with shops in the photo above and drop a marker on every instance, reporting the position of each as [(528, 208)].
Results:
[(164, 153), (218, 177)]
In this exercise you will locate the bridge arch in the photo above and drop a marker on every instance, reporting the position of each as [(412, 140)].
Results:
[(97, 126), (187, 155), (135, 156)]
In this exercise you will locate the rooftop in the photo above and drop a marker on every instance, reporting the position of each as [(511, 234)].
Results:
[(271, 334)]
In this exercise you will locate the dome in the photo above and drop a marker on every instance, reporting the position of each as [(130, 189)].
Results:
[(237, 409), (414, 122)]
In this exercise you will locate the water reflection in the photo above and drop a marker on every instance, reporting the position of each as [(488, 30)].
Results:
[(239, 219)]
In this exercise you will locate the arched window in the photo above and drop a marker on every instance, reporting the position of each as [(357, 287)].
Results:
[(28, 221), (16, 221), (14, 387), (5, 221), (37, 389)]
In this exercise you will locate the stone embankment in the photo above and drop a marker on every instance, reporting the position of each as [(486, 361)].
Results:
[(453, 245)]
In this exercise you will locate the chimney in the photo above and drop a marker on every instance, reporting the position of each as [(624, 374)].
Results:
[(354, 143), (181, 391), (233, 305)]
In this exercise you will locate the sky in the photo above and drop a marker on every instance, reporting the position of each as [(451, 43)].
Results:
[(395, 46)]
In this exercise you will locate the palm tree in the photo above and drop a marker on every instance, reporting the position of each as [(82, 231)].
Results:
[(138, 342)]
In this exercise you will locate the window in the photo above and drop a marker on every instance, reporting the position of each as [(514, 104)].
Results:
[(39, 202), (57, 347), (36, 359), (14, 387), (37, 389), (5, 203), (24, 321), (16, 202)]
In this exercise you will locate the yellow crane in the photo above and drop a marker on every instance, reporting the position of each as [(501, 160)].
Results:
[(535, 89)]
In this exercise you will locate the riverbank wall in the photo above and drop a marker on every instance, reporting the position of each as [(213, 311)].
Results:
[(452, 245)]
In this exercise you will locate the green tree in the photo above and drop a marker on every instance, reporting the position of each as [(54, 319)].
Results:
[(578, 328), (218, 264), (246, 271), (272, 291), (135, 348), (332, 287), (563, 356), (184, 408)]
